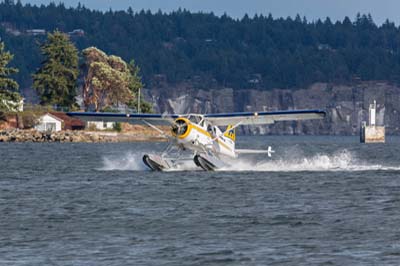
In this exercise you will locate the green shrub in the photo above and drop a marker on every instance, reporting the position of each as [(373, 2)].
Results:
[(91, 127), (117, 126)]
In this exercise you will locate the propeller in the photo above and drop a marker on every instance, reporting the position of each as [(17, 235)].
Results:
[(179, 127)]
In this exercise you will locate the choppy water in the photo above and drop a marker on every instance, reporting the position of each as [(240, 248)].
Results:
[(318, 201)]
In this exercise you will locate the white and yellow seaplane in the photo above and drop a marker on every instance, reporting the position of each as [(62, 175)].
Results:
[(197, 137)]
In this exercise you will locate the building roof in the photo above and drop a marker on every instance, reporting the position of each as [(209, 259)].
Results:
[(53, 116), (69, 122)]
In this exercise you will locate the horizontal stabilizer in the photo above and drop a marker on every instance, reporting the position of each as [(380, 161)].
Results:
[(247, 151)]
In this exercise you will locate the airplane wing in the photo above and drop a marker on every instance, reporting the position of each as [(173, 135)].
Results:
[(259, 118), (144, 119), (223, 119)]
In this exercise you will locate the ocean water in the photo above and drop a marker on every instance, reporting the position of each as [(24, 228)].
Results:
[(317, 201)]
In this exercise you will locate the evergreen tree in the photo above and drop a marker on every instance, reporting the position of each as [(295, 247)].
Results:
[(55, 81), (135, 84), (6, 83), (9, 97), (208, 51), (135, 81)]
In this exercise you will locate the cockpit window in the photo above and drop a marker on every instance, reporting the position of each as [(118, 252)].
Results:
[(195, 118), (211, 130)]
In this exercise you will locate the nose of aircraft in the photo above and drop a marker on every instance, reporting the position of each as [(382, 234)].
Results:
[(180, 127)]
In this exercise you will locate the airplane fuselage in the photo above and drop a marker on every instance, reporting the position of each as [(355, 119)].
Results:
[(202, 136)]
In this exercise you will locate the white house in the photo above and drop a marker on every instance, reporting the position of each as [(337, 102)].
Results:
[(99, 125), (77, 32), (49, 122), (36, 32)]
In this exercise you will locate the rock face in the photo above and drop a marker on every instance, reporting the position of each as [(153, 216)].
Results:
[(346, 105)]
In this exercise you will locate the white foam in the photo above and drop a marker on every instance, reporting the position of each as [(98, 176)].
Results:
[(124, 162), (185, 166), (133, 162), (340, 161)]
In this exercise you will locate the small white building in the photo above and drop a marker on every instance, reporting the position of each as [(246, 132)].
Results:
[(49, 123), (77, 32), (36, 32), (100, 125)]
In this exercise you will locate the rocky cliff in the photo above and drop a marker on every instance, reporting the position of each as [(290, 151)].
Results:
[(346, 105)]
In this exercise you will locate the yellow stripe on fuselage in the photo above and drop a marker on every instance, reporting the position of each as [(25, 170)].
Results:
[(202, 131)]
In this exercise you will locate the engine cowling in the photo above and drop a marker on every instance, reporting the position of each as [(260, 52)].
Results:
[(181, 127)]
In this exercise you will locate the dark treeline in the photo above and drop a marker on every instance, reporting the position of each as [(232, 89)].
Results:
[(260, 52)]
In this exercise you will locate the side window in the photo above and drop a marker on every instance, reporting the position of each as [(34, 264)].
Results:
[(209, 129)]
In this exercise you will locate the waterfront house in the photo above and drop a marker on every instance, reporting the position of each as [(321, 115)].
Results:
[(36, 32), (99, 125), (69, 123), (49, 123)]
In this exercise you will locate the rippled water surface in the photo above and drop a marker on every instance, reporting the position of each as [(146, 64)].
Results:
[(318, 201)]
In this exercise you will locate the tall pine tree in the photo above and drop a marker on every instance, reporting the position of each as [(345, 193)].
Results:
[(55, 81), (6, 83), (9, 97), (135, 84)]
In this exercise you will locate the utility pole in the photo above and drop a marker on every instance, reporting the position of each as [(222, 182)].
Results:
[(138, 105)]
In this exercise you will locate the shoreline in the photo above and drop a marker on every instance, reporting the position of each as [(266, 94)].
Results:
[(77, 136)]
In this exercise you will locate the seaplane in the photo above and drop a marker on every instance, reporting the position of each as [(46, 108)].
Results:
[(207, 140)]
